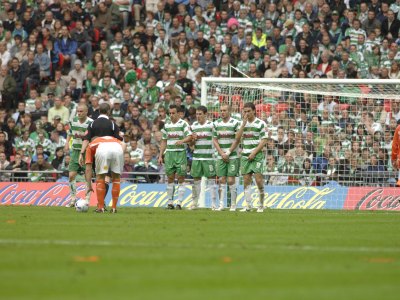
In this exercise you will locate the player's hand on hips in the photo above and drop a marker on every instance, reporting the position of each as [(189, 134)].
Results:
[(178, 143)]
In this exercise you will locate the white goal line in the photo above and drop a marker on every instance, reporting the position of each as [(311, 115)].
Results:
[(105, 243)]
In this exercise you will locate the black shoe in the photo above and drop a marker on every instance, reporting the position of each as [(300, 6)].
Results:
[(99, 210), (170, 206), (113, 211), (178, 207)]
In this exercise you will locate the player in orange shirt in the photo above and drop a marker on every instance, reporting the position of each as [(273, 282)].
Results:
[(396, 152), (108, 154)]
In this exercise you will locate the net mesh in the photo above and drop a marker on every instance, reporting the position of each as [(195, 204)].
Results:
[(319, 133)]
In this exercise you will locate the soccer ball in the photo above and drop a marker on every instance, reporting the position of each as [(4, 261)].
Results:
[(81, 205)]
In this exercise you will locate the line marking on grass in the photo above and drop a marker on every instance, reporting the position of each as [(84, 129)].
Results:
[(105, 243)]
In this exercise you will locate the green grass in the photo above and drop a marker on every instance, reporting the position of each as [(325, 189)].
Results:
[(141, 253)]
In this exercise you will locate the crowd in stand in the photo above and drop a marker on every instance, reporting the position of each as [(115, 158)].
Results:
[(142, 56)]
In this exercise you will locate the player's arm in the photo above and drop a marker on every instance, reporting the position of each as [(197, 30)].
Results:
[(259, 148), (239, 133), (163, 146), (217, 146), (88, 171), (83, 149), (188, 136), (261, 145), (66, 147), (186, 140), (116, 132)]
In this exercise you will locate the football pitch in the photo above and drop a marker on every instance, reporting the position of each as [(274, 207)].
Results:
[(150, 253)]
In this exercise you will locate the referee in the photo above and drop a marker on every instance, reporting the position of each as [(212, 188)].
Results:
[(100, 127)]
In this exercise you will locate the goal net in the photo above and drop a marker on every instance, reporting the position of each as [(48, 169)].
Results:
[(323, 135)]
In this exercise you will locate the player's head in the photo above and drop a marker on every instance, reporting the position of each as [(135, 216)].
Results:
[(105, 109), (249, 109), (201, 114), (82, 111), (225, 110), (173, 113)]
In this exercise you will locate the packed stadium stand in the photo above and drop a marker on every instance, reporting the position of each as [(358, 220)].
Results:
[(142, 56)]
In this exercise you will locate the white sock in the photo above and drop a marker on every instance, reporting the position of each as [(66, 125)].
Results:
[(170, 191), (213, 191), (232, 189), (247, 195), (223, 194), (181, 193), (72, 187), (196, 192)]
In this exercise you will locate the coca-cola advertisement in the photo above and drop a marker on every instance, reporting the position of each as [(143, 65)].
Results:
[(155, 195), (39, 194), (372, 198)]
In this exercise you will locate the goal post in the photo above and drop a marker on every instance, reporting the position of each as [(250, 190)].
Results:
[(341, 129)]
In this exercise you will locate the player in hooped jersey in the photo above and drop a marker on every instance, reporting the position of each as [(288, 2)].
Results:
[(77, 129), (254, 137), (227, 164), (203, 162), (176, 133)]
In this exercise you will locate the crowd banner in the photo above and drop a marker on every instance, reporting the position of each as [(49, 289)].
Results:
[(331, 196)]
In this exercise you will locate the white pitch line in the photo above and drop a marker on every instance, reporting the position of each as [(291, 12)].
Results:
[(104, 243)]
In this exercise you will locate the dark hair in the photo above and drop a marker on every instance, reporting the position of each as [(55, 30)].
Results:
[(202, 108), (173, 106), (249, 105)]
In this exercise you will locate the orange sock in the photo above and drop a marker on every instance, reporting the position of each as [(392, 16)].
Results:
[(101, 192), (116, 187)]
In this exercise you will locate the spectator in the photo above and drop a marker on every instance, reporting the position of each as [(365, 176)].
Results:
[(66, 46), (8, 88), (146, 166), (18, 165), (307, 173), (128, 168), (40, 165), (5, 56), (59, 110), (4, 163)]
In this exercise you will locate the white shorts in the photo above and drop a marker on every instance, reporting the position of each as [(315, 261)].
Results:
[(109, 157)]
